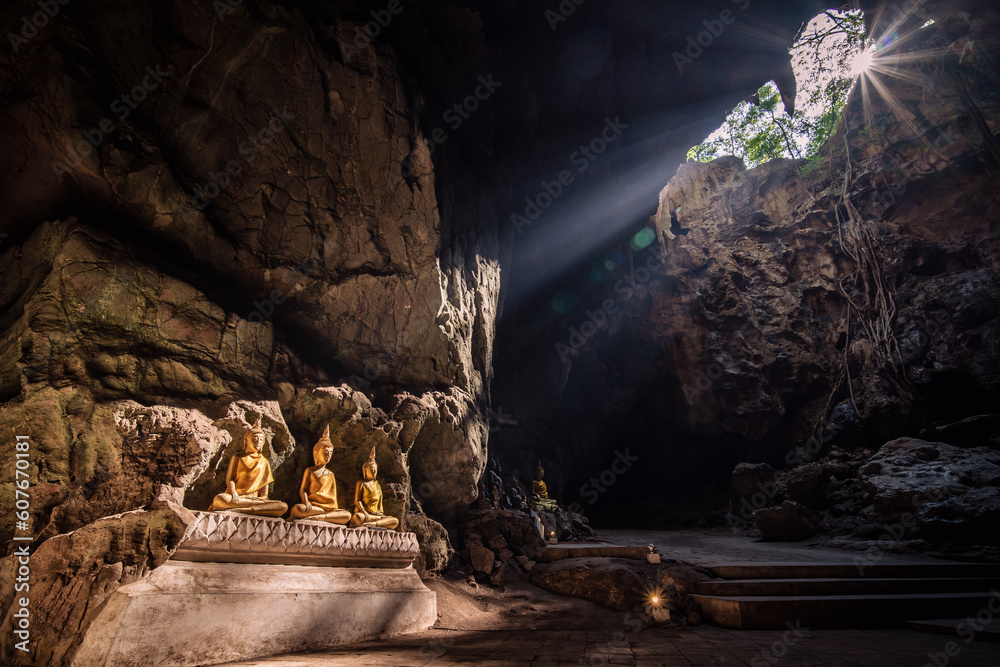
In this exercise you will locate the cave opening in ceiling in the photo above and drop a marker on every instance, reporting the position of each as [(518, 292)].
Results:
[(793, 115)]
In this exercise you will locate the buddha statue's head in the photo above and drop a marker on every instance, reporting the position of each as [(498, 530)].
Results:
[(323, 449), (539, 473), (369, 469), (253, 441)]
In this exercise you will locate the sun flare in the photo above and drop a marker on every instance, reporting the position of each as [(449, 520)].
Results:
[(862, 62)]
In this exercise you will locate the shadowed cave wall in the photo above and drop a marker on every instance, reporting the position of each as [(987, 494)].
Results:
[(294, 223)]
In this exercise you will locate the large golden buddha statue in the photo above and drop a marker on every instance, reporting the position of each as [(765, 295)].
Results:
[(368, 499), (319, 488), (247, 479), (540, 492)]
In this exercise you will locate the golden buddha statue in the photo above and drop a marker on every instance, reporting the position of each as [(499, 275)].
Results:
[(319, 488), (540, 492), (368, 499), (247, 479)]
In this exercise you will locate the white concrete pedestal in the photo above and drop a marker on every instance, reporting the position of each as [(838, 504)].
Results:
[(241, 587), (188, 613)]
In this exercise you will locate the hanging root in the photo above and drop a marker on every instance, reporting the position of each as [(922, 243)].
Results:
[(871, 311)]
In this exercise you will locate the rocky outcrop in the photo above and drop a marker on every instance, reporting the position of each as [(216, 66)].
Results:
[(772, 314), (937, 492), (72, 574), (790, 522), (237, 244), (613, 582)]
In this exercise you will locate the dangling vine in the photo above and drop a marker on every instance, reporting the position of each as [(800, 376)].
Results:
[(871, 308)]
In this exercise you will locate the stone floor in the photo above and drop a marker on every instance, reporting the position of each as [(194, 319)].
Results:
[(708, 547), (524, 625), (691, 646)]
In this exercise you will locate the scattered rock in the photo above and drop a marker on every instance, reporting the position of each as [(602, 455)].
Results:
[(482, 559), (613, 582), (749, 479), (790, 522)]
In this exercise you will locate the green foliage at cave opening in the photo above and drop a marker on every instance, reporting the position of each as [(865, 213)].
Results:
[(826, 59)]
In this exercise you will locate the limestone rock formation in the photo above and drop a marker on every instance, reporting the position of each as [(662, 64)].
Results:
[(789, 522), (613, 582), (785, 310), (945, 493), (73, 573)]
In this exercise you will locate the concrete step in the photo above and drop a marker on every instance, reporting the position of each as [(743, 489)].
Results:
[(552, 553), (962, 629), (768, 612), (856, 569), (845, 586)]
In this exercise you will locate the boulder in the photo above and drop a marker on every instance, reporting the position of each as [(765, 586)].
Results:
[(790, 522), (751, 478), (481, 558), (951, 492), (617, 583)]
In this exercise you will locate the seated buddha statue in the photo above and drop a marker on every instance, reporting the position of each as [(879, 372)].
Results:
[(247, 479), (318, 490), (368, 499), (540, 500)]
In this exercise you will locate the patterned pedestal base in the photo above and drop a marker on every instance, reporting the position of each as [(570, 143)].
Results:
[(228, 537)]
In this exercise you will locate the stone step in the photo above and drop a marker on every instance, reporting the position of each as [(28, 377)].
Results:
[(844, 586), (856, 569), (552, 553), (769, 612), (963, 629)]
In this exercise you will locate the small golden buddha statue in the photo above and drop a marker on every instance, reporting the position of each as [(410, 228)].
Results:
[(540, 492), (319, 488), (368, 499), (247, 479)]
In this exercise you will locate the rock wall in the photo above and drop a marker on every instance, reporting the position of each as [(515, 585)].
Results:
[(207, 220), (732, 336)]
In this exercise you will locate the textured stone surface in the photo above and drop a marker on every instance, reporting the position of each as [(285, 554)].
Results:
[(942, 492), (183, 613), (733, 337), (789, 522), (73, 575), (613, 582)]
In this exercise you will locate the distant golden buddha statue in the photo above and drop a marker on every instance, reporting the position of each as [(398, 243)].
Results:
[(368, 499), (540, 492), (247, 479), (319, 488)]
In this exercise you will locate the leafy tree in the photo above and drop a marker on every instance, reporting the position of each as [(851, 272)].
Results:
[(823, 58)]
